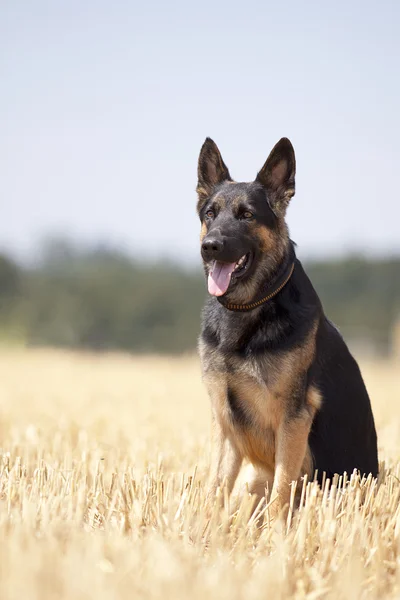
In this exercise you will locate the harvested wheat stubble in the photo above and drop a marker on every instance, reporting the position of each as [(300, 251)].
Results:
[(102, 485)]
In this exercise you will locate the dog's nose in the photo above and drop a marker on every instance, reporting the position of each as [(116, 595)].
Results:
[(211, 248)]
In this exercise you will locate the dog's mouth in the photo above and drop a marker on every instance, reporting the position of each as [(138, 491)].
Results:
[(222, 274)]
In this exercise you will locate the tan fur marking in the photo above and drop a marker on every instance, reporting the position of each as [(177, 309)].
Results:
[(258, 447), (220, 202), (226, 458), (226, 461), (237, 201), (203, 232), (266, 237), (261, 480), (292, 457), (216, 385), (314, 398), (262, 402)]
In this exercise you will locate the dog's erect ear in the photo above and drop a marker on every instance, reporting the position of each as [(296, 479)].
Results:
[(211, 169), (277, 176)]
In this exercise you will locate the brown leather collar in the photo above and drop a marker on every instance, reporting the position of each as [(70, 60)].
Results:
[(267, 293)]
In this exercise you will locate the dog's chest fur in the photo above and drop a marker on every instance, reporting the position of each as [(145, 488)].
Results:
[(249, 400), (253, 393)]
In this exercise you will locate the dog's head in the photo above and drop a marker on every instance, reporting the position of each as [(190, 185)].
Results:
[(244, 237)]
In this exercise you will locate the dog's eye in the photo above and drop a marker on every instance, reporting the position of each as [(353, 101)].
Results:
[(210, 214), (247, 215)]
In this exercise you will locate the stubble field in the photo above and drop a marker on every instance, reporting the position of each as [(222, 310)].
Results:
[(102, 479)]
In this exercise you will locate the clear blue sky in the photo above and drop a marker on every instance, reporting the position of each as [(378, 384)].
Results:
[(104, 107)]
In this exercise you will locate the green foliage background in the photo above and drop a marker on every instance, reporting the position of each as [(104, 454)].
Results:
[(101, 299)]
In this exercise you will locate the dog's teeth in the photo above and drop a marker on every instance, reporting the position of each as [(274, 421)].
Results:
[(240, 262)]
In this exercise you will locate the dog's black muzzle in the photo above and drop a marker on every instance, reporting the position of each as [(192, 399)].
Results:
[(222, 248)]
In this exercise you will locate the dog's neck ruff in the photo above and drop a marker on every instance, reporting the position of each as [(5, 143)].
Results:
[(266, 293)]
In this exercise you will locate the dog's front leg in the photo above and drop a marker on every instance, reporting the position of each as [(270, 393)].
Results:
[(291, 456), (225, 461)]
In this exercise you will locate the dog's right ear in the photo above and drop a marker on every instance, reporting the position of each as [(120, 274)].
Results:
[(211, 170)]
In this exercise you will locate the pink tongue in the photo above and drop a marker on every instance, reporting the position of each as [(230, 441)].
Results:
[(220, 277)]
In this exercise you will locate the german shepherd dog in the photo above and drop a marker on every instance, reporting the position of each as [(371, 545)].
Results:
[(286, 393)]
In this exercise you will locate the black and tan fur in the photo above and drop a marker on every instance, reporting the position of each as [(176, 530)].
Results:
[(285, 392)]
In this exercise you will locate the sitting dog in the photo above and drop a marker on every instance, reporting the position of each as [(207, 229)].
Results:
[(285, 392)]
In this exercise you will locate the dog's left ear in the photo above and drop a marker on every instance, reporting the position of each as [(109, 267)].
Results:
[(211, 170), (277, 176)]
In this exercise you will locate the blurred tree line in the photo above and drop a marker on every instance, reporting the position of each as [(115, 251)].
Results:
[(101, 299)]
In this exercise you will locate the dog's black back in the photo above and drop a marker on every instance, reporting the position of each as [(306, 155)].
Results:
[(343, 435)]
